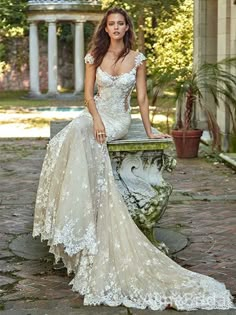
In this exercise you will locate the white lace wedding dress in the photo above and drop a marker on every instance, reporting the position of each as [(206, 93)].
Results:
[(81, 213)]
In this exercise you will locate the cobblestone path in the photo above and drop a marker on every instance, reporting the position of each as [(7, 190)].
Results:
[(202, 207)]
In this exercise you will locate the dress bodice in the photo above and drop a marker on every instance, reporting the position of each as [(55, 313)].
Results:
[(113, 92)]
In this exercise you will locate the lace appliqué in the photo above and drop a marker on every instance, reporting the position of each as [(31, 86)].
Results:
[(139, 59), (66, 236), (89, 59)]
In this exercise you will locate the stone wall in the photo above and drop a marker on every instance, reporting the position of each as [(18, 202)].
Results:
[(16, 74)]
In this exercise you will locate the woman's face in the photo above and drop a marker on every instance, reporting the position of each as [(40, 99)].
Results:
[(116, 26)]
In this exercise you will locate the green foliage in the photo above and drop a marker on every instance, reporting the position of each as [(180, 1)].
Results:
[(147, 7), (43, 31), (13, 18), (171, 46), (13, 23), (89, 28), (64, 32), (2, 51)]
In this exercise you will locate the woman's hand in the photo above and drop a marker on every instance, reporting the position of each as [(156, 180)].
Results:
[(158, 136), (99, 130)]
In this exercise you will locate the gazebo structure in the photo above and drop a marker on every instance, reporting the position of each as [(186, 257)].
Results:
[(53, 12)]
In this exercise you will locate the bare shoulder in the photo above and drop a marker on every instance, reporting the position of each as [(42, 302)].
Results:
[(134, 53)]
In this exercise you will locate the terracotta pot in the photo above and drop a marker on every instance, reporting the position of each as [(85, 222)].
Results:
[(187, 142)]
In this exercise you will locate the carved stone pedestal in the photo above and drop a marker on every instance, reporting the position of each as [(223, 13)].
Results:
[(139, 178)]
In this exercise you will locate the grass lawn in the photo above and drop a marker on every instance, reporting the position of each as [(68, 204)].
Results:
[(18, 99)]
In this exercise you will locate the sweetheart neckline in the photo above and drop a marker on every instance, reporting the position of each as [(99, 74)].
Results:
[(116, 76)]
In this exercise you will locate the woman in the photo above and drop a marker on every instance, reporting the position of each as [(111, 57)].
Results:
[(79, 209)]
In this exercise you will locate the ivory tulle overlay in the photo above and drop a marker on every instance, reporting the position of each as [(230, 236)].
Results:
[(81, 213)]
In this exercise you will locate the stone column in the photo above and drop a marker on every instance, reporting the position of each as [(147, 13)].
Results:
[(233, 33), (34, 60), (205, 31), (52, 59), (205, 43), (79, 56), (223, 51)]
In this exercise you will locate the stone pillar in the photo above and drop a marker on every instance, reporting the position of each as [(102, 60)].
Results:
[(34, 60), (224, 51), (79, 57), (223, 29), (205, 31), (233, 32), (52, 59), (205, 43)]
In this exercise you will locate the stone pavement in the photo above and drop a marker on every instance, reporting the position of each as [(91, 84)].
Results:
[(202, 208)]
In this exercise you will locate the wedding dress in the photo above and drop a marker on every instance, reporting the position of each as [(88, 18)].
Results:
[(81, 213)]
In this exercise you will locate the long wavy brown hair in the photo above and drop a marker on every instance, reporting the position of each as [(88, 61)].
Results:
[(101, 40)]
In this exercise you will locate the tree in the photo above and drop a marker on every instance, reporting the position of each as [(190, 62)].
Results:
[(13, 18), (171, 49), (13, 23)]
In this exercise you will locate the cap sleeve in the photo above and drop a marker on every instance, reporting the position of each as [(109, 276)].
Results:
[(89, 59), (139, 59)]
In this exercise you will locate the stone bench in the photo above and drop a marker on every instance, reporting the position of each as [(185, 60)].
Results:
[(138, 163)]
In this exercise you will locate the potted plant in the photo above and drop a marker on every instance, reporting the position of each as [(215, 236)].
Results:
[(185, 134), (212, 79)]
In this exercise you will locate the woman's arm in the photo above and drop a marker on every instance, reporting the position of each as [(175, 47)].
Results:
[(143, 101), (98, 126)]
